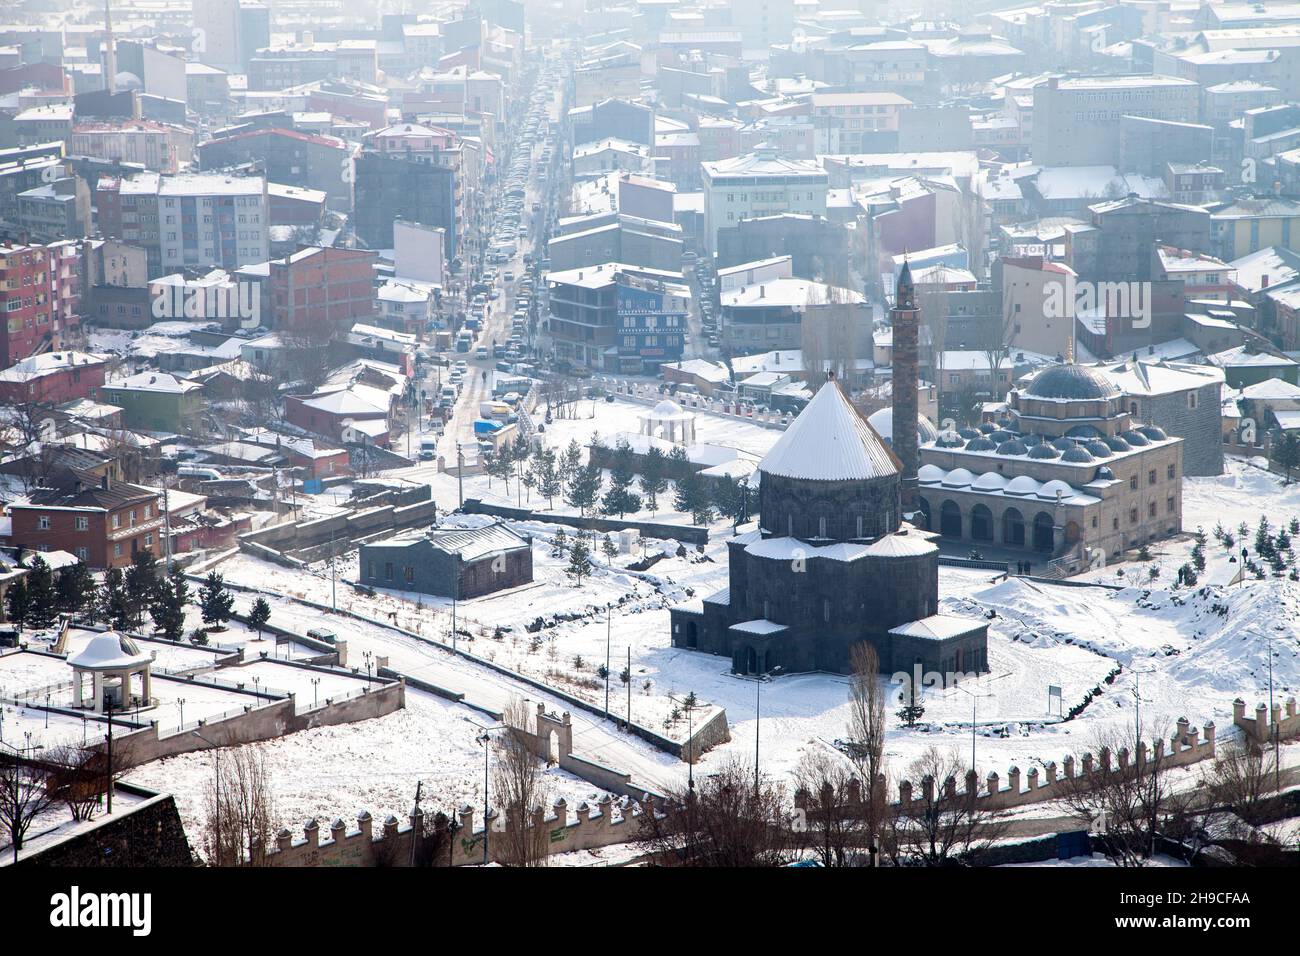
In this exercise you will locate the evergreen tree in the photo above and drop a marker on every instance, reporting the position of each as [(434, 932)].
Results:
[(259, 615), (1263, 538), (584, 489), (730, 499), (1287, 453), (560, 545), (1294, 527), (17, 603), (1219, 532), (75, 590), (168, 605), (653, 480), (609, 549), (620, 499), (579, 559), (570, 463), (116, 604), (215, 601), (546, 474), (141, 579), (1198, 556), (42, 602), (692, 496), (914, 709)]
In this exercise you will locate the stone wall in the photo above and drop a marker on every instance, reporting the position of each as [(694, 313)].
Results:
[(1200, 428), (149, 834), (1260, 726), (301, 542)]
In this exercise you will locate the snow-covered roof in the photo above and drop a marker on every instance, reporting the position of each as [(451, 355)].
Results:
[(829, 441), (109, 651), (938, 627)]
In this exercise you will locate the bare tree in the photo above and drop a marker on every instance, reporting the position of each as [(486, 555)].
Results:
[(865, 743), (1240, 779), (77, 776), (832, 812), (724, 821), (940, 824), (240, 808), (1129, 801), (519, 789), (24, 796)]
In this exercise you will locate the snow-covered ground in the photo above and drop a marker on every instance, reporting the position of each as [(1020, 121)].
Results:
[(1173, 653)]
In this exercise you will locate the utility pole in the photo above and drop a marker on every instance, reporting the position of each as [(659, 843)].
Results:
[(460, 474), (629, 685), (1273, 729), (607, 635)]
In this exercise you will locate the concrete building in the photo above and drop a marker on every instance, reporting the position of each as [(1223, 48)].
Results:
[(1077, 118), (756, 185), (770, 314), (452, 562)]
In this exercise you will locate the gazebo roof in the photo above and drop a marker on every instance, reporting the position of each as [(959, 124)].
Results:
[(667, 410), (109, 651)]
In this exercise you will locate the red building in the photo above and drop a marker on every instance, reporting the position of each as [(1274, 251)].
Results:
[(102, 521), (315, 286), (53, 377), (28, 301)]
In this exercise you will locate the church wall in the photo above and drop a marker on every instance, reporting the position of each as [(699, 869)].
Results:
[(796, 508)]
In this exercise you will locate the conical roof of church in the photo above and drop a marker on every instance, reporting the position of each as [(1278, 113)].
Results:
[(829, 441)]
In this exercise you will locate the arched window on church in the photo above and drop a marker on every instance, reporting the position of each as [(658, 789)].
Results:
[(821, 527), (826, 610), (789, 526), (861, 522)]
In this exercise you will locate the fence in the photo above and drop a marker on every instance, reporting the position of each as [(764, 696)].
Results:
[(687, 534)]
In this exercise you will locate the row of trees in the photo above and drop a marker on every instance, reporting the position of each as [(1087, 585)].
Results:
[(124, 597), (562, 474)]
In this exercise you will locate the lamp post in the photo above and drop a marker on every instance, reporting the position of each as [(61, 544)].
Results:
[(369, 657), (180, 703), (315, 696), (607, 635), (974, 698)]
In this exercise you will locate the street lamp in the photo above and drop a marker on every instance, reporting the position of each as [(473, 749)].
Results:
[(974, 698), (315, 685), (180, 703)]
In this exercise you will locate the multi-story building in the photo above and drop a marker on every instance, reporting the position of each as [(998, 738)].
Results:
[(321, 287), (617, 317), (53, 377), (759, 184), (102, 521), (1077, 118), (162, 147), (27, 299), (55, 210), (189, 221), (289, 157), (422, 187), (856, 122), (770, 313)]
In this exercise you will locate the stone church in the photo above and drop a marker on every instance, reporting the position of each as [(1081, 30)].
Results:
[(832, 563)]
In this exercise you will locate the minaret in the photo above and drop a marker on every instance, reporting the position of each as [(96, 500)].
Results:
[(905, 318), (110, 51)]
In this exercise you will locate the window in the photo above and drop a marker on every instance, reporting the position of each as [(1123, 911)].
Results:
[(388, 570), (1133, 483), (1151, 477), (1151, 510), (83, 554), (1132, 516), (43, 522), (1170, 471), (409, 574), (1191, 399), (83, 523), (117, 521), (117, 550), (148, 541), (826, 609)]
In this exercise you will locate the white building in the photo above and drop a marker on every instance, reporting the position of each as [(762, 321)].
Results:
[(759, 184)]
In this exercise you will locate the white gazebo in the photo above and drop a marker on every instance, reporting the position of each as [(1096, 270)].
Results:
[(669, 421), (111, 659)]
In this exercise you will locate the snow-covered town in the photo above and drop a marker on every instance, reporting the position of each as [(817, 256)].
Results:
[(654, 434)]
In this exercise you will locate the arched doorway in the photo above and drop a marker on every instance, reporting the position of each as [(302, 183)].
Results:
[(925, 514), (1013, 528), (950, 519), (692, 634), (1043, 539), (751, 661), (981, 523)]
